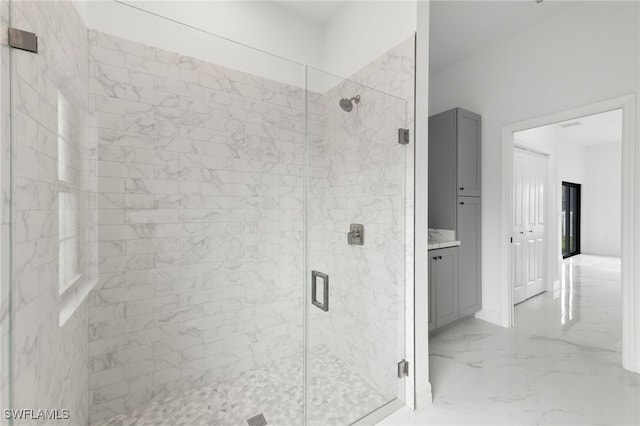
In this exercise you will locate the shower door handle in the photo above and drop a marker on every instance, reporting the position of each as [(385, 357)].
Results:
[(324, 305)]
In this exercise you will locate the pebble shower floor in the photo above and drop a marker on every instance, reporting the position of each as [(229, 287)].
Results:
[(337, 396)]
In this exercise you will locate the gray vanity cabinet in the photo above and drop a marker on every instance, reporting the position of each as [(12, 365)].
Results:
[(443, 286), (468, 233)]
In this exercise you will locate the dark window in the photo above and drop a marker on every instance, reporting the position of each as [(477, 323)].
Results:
[(570, 219)]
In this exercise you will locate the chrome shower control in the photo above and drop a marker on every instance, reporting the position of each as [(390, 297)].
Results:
[(355, 236)]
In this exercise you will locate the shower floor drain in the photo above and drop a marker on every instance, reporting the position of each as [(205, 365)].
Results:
[(258, 420)]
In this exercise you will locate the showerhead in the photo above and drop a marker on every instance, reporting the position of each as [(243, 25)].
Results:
[(347, 104)]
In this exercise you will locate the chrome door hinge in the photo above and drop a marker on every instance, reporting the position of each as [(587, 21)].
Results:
[(403, 136), (403, 369), (23, 40)]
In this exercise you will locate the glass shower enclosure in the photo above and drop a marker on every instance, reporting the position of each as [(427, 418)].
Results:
[(201, 231), (355, 169)]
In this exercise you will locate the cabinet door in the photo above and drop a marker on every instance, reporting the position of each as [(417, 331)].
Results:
[(446, 280), (468, 233), (433, 264), (442, 170), (468, 135)]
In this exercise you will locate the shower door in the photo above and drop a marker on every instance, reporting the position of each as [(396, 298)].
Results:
[(355, 248)]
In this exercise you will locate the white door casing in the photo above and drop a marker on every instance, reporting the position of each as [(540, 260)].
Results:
[(538, 224)]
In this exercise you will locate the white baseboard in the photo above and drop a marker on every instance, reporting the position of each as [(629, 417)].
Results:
[(634, 365), (424, 396), (491, 315)]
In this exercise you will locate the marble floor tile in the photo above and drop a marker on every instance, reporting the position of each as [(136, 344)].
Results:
[(559, 365)]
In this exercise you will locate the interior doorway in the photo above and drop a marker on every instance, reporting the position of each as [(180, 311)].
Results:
[(579, 213)]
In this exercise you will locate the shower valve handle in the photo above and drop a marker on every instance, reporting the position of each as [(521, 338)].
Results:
[(355, 236)]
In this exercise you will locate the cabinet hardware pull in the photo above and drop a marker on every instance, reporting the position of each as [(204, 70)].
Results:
[(435, 257), (461, 202), (461, 188), (439, 257)]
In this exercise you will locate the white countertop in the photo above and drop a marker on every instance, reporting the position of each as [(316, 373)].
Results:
[(438, 244)]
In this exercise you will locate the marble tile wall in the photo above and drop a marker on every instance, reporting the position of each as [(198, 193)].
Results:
[(5, 204), (54, 205), (201, 222), (362, 175), (201, 209)]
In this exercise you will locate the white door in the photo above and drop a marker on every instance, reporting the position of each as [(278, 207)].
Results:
[(520, 191), (528, 248)]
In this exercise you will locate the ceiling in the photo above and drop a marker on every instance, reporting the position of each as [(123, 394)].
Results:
[(318, 11), (460, 28), (594, 129)]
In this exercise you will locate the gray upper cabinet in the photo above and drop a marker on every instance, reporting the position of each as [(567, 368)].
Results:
[(454, 163), (468, 233), (468, 142), (442, 170)]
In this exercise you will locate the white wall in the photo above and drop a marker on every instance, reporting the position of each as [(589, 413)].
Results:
[(558, 65), (361, 31), (260, 24), (264, 25), (601, 200), (572, 162)]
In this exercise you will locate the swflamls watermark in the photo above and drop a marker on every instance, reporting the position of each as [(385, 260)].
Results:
[(37, 414)]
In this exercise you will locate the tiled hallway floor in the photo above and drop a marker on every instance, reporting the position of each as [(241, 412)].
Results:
[(337, 396), (560, 365)]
